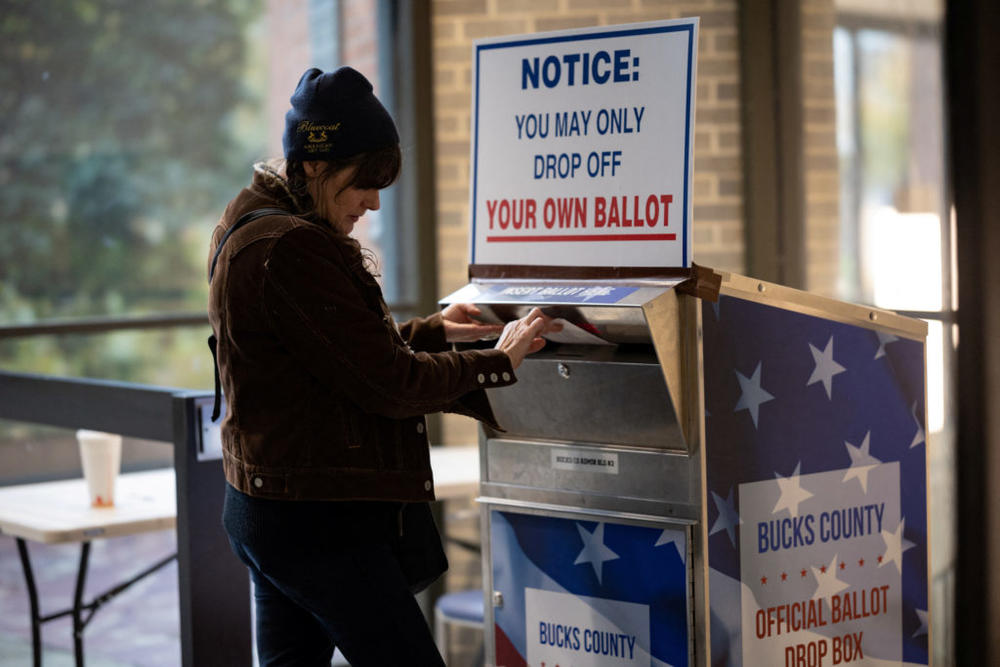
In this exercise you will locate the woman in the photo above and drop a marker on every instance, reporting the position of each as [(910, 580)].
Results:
[(324, 438)]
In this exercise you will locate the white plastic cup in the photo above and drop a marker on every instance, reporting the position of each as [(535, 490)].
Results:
[(101, 455)]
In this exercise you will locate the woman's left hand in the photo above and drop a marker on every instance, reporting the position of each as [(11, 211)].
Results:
[(460, 325)]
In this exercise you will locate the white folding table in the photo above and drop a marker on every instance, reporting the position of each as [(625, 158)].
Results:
[(59, 512)]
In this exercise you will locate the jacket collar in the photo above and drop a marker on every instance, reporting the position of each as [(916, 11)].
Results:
[(269, 181)]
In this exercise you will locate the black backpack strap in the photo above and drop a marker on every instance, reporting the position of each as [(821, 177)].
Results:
[(244, 219), (213, 342)]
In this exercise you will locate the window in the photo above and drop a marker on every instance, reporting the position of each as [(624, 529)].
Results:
[(129, 126), (127, 129), (896, 227)]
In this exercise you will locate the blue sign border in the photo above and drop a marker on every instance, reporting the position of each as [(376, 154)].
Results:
[(627, 32)]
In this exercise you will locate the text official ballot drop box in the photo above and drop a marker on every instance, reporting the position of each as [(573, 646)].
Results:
[(702, 468)]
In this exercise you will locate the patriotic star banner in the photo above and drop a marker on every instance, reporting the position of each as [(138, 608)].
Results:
[(585, 593), (582, 151), (816, 490)]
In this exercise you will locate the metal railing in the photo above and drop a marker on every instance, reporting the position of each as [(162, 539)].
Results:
[(91, 325)]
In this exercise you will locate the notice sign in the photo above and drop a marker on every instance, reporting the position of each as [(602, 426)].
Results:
[(582, 147)]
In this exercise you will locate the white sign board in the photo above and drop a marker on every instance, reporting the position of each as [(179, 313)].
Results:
[(582, 149)]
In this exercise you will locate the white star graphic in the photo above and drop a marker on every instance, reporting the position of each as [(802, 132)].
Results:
[(920, 436), (827, 583), (862, 462), (752, 394), (594, 551), (826, 367), (922, 617), (883, 340), (728, 519), (895, 546), (674, 537), (792, 492)]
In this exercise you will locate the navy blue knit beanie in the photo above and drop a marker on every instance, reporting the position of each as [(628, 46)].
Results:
[(334, 115)]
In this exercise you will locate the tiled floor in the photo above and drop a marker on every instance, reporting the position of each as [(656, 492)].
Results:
[(139, 628)]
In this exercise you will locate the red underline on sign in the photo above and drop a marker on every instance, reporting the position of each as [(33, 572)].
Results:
[(581, 237)]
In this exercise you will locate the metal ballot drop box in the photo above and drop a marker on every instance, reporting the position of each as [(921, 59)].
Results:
[(639, 493)]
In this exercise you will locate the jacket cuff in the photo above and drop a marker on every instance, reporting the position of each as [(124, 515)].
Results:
[(493, 370)]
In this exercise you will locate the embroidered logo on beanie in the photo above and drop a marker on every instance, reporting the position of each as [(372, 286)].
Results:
[(317, 140), (335, 115)]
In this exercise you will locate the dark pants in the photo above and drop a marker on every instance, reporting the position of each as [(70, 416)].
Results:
[(310, 600)]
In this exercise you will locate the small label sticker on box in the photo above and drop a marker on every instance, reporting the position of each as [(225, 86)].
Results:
[(585, 461)]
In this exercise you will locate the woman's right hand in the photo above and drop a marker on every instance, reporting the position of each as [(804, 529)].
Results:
[(524, 336)]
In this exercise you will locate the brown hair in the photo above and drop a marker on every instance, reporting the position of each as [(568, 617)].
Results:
[(376, 169)]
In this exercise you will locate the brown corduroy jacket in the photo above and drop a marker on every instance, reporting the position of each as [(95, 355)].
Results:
[(325, 397)]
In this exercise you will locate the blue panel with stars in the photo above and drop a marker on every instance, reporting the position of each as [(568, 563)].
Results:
[(814, 425), (628, 581)]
